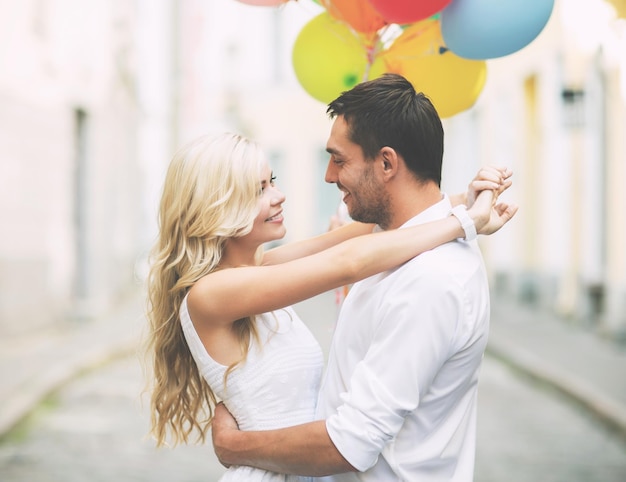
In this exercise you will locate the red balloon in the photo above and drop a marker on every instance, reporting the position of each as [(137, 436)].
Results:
[(408, 11)]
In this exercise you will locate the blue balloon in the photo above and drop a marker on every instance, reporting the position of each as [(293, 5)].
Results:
[(487, 29)]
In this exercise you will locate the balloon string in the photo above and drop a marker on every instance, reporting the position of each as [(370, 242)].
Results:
[(372, 52), (377, 45), (434, 47)]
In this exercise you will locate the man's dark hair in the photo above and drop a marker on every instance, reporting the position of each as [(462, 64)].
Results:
[(387, 111)]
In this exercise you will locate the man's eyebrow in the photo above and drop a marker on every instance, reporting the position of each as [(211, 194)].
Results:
[(332, 150)]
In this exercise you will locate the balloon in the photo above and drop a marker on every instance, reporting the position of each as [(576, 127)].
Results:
[(408, 11), (328, 58), (378, 68), (487, 29), (359, 14), (452, 83), (620, 7), (263, 3)]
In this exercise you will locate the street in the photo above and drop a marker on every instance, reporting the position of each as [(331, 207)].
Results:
[(95, 429)]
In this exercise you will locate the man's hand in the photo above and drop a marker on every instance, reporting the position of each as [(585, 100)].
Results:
[(302, 449), (223, 423)]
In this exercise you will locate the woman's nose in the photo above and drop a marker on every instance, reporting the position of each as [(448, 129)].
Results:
[(277, 196)]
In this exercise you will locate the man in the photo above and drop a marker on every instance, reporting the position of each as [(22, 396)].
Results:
[(398, 401)]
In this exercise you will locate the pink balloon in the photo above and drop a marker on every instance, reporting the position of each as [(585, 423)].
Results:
[(263, 3)]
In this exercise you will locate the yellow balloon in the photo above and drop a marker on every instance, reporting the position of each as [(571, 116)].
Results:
[(378, 68), (328, 58), (452, 83), (620, 7)]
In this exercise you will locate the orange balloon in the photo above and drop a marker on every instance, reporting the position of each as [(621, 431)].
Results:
[(358, 14), (452, 83)]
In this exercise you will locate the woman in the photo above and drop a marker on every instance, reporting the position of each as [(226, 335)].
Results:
[(219, 308)]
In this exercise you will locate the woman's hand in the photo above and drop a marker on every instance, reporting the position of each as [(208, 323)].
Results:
[(488, 216), (488, 178), (481, 197)]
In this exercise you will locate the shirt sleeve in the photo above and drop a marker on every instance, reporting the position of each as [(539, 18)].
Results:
[(413, 338)]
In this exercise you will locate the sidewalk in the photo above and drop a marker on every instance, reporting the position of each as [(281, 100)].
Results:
[(34, 366), (574, 361)]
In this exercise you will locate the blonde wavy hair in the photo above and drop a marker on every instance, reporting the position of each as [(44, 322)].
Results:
[(210, 195)]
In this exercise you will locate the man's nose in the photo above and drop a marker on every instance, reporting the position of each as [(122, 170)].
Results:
[(331, 174)]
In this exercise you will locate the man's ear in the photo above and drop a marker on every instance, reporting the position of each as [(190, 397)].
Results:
[(389, 161)]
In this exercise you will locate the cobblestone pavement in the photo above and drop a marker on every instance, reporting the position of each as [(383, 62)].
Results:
[(94, 430), (94, 427), (528, 432)]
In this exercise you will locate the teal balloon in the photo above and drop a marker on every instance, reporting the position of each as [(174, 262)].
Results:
[(487, 29)]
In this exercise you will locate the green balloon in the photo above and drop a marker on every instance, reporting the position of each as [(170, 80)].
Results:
[(328, 58)]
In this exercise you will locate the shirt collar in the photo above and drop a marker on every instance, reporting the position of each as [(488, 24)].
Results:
[(433, 213)]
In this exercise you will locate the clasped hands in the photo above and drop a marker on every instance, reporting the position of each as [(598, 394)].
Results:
[(481, 199)]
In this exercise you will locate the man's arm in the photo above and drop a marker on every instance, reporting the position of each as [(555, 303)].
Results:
[(302, 450)]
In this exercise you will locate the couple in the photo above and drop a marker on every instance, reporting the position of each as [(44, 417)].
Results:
[(398, 400)]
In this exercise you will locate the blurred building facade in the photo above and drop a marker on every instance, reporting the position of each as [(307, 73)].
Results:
[(556, 113), (68, 174)]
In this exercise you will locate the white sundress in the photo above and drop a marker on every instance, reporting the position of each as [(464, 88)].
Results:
[(276, 387)]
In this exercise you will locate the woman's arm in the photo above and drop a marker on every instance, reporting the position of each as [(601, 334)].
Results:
[(259, 289), (307, 247), (490, 177)]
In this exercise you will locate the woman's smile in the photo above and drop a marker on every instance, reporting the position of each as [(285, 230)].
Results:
[(278, 217)]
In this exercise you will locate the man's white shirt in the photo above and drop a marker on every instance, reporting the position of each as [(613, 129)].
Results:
[(400, 392)]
